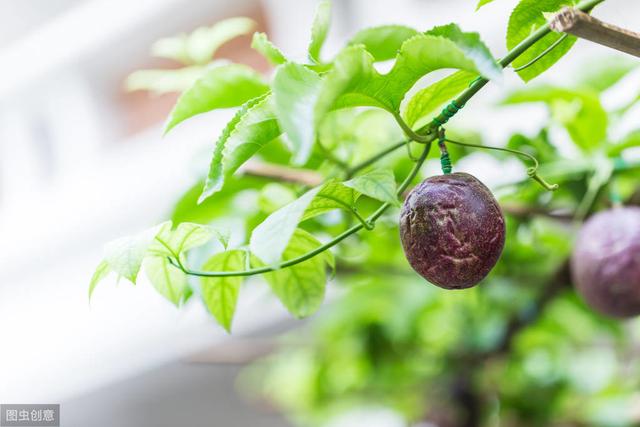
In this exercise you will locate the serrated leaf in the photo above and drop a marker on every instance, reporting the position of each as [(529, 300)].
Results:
[(164, 81), (200, 46), (125, 255), (223, 86), (301, 287), (169, 281), (177, 241), (482, 3), (383, 42), (263, 45), (378, 184), (253, 126), (295, 90), (270, 238), (353, 81), (101, 272), (220, 294), (319, 30), (427, 101), (580, 112), (527, 17)]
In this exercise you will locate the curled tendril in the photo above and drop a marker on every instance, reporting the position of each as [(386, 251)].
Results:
[(532, 172)]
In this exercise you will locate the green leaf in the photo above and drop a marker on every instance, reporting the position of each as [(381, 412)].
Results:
[(526, 18), (482, 3), (101, 272), (125, 255), (353, 81), (200, 46), (223, 86), (263, 45), (295, 90), (601, 74), (186, 236), (427, 101), (164, 81), (253, 126), (378, 184), (383, 42), (580, 112), (301, 287), (169, 281), (319, 30), (220, 294), (270, 238)]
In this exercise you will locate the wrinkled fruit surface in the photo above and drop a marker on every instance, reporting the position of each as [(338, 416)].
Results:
[(452, 230), (606, 262)]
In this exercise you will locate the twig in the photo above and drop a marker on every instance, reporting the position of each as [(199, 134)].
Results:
[(583, 25), (282, 173)]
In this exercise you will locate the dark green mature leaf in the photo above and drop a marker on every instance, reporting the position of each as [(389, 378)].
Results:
[(427, 101), (527, 17), (482, 3), (262, 44), (295, 90), (253, 126), (383, 42), (164, 81), (319, 30), (169, 281), (199, 46), (101, 272), (580, 112), (379, 184), (220, 294), (353, 81), (223, 86), (301, 287), (125, 255)]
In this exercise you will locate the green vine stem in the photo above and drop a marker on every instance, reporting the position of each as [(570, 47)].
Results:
[(532, 171), (425, 135), (370, 220)]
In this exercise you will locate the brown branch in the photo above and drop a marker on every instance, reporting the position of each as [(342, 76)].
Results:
[(585, 26), (282, 173)]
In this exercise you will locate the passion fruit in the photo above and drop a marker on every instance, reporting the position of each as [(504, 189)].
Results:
[(452, 230), (605, 264)]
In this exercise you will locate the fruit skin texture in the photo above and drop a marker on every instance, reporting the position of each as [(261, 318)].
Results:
[(605, 264), (452, 230)]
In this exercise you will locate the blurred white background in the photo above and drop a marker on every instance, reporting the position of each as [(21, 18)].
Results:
[(82, 162)]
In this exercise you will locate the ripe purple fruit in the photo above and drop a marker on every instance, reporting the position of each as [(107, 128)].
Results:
[(452, 230), (605, 264)]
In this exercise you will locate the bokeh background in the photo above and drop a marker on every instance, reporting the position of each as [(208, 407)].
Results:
[(82, 161)]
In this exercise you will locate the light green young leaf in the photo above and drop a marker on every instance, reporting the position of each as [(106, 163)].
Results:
[(482, 3), (220, 294), (125, 255), (253, 126), (169, 281), (527, 17), (319, 30), (186, 236), (101, 272), (427, 101), (274, 196), (378, 184), (580, 112), (223, 86), (383, 42), (602, 73), (295, 90), (270, 238), (263, 45), (353, 81), (164, 81), (301, 287), (200, 46)]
